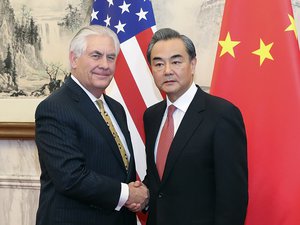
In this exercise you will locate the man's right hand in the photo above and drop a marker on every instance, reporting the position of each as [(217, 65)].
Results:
[(138, 196)]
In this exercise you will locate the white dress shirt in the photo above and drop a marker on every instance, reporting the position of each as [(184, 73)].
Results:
[(181, 104)]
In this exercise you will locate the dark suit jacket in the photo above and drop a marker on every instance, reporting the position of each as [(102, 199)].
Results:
[(81, 165), (205, 178)]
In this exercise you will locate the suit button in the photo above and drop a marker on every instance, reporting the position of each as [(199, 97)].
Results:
[(160, 195)]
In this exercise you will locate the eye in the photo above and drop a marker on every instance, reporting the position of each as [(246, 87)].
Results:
[(111, 58), (158, 64), (176, 62), (95, 56)]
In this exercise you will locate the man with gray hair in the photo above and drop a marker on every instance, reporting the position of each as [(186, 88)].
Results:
[(84, 146), (195, 144)]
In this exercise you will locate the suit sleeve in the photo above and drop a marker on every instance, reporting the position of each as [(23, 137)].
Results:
[(64, 164), (230, 156)]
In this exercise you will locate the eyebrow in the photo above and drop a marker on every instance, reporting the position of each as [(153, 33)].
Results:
[(172, 57), (101, 53), (176, 56), (96, 52)]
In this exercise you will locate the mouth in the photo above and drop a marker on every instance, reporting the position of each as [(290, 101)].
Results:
[(169, 79), (101, 73), (169, 82)]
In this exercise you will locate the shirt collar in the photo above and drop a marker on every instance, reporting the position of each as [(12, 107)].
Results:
[(184, 100)]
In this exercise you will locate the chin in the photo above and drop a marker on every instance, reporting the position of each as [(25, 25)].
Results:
[(169, 88)]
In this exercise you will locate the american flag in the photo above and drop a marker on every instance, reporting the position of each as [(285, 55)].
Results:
[(134, 23)]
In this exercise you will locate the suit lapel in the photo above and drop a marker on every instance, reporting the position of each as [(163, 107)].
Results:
[(91, 113), (190, 122), (156, 118)]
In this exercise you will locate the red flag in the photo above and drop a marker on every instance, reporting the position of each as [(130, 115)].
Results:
[(133, 86), (257, 68)]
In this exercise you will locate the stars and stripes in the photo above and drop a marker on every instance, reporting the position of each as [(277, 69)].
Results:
[(126, 17), (134, 23)]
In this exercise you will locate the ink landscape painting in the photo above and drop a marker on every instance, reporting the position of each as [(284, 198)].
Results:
[(34, 37)]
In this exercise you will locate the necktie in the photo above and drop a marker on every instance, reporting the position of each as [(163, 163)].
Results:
[(114, 132), (165, 140)]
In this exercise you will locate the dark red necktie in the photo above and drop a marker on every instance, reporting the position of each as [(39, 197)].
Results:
[(165, 140)]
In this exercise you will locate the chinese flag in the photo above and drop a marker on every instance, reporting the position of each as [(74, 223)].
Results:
[(257, 68)]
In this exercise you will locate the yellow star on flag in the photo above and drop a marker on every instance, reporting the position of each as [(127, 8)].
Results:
[(292, 26), (228, 45), (264, 52)]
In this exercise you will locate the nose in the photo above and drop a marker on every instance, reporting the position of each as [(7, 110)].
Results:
[(103, 63), (168, 68)]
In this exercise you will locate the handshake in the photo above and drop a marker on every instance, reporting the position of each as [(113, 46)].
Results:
[(138, 196)]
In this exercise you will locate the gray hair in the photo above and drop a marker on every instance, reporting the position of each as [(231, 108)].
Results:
[(78, 44), (168, 34)]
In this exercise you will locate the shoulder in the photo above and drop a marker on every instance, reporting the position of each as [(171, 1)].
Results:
[(216, 106), (156, 108), (61, 102), (220, 103), (58, 97), (154, 112)]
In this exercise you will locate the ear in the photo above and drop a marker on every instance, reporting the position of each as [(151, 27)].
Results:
[(73, 60), (193, 65)]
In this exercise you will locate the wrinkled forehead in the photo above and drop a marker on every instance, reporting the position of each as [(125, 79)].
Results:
[(102, 43)]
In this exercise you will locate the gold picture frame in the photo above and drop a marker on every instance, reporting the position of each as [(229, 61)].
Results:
[(17, 130)]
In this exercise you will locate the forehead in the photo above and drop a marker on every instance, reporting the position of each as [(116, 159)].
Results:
[(100, 42), (169, 48)]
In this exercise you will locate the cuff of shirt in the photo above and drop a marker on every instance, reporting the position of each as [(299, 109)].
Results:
[(123, 196)]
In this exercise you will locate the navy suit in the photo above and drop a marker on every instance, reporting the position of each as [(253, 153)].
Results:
[(205, 177), (81, 165)]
